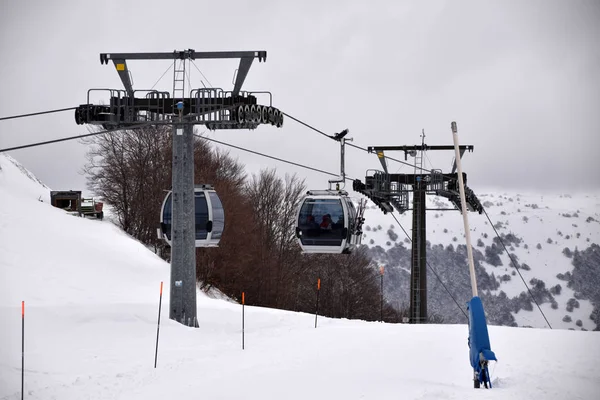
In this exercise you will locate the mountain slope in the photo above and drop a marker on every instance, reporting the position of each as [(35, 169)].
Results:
[(541, 232)]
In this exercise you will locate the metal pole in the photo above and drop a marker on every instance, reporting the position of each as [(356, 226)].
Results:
[(418, 272), (463, 204), (381, 308), (317, 308), (22, 349), (158, 325), (243, 317), (183, 253), (342, 156)]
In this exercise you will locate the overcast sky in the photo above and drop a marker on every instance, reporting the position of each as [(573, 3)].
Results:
[(521, 78)]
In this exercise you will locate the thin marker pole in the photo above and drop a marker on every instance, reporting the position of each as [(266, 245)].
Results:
[(381, 307), (243, 317), (317, 308), (158, 325), (22, 348)]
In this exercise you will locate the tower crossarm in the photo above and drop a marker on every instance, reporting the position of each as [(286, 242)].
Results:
[(412, 150), (246, 59)]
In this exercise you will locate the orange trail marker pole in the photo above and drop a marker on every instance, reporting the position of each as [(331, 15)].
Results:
[(381, 308), (22, 348), (158, 325), (317, 308), (243, 304)]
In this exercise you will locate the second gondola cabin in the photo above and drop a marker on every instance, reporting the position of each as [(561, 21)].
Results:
[(209, 217), (327, 223)]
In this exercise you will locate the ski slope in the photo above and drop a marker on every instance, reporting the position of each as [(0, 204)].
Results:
[(91, 296)]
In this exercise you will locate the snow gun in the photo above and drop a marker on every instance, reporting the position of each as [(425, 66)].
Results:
[(480, 352)]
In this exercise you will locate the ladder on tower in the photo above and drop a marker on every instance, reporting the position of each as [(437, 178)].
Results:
[(178, 81)]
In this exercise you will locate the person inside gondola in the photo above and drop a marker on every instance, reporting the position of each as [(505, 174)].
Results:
[(310, 222), (326, 223), (312, 227), (340, 222)]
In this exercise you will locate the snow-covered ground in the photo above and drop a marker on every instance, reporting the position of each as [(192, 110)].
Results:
[(91, 297)]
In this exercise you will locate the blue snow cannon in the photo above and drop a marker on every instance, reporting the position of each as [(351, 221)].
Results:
[(480, 352)]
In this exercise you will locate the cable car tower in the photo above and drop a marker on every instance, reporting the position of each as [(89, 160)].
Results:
[(391, 191), (182, 108)]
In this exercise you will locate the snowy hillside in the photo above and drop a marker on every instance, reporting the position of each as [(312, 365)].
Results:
[(543, 232), (91, 298)]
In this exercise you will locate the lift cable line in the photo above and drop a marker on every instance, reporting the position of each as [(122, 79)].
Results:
[(172, 65), (65, 139), (157, 123), (433, 270), (349, 144), (389, 158), (283, 113), (37, 113), (189, 77), (309, 126), (517, 268), (357, 147), (268, 156), (201, 73)]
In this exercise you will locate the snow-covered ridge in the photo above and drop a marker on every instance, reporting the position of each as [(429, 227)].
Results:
[(15, 178), (24, 171)]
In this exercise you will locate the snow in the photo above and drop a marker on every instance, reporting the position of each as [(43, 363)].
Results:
[(91, 296)]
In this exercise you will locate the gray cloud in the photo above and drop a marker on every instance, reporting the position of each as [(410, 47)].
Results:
[(522, 79)]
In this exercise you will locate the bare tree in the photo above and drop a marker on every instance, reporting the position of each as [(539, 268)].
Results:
[(258, 253), (130, 169)]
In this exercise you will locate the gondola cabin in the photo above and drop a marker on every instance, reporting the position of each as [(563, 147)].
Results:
[(327, 222), (209, 217)]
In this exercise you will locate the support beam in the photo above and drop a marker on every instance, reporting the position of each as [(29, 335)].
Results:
[(412, 150), (245, 64), (124, 74), (181, 55), (382, 160), (418, 147), (182, 305)]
